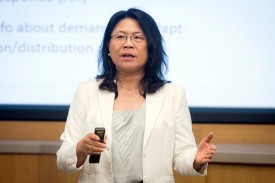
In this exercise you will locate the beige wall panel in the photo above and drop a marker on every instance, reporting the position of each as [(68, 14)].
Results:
[(189, 179), (31, 130), (19, 168), (50, 173), (223, 133), (236, 133), (227, 173)]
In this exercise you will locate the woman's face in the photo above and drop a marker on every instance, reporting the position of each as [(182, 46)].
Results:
[(129, 54)]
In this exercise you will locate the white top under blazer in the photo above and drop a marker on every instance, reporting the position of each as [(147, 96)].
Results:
[(128, 133)]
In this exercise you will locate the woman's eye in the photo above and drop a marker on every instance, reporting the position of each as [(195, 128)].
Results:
[(138, 37), (120, 37)]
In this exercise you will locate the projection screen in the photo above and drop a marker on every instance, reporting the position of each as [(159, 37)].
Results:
[(220, 51)]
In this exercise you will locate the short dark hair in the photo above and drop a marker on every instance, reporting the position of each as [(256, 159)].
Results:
[(157, 64)]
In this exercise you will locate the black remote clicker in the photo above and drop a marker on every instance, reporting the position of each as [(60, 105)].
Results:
[(100, 132)]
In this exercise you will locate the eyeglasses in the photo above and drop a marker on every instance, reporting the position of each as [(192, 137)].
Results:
[(123, 38)]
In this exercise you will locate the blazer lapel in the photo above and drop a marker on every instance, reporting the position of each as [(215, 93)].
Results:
[(106, 104), (153, 107)]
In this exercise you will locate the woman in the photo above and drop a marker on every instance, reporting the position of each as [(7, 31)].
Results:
[(147, 121)]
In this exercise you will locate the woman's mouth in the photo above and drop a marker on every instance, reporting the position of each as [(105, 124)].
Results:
[(128, 56), (125, 55)]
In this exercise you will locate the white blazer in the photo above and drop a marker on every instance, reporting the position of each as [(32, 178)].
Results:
[(168, 138)]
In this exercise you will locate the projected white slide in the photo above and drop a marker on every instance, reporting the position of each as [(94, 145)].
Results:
[(222, 52)]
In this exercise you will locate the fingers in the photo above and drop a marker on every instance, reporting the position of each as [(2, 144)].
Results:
[(206, 150), (95, 146), (93, 136), (209, 137), (94, 150), (210, 153), (210, 150), (91, 145), (205, 158), (212, 147)]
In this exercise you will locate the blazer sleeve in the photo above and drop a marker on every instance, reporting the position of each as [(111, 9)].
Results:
[(75, 129), (185, 145)]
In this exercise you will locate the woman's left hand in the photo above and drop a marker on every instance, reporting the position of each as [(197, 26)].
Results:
[(205, 152)]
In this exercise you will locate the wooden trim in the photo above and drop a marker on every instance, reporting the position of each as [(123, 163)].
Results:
[(223, 133)]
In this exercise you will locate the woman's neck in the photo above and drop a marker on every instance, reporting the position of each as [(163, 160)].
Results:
[(127, 81)]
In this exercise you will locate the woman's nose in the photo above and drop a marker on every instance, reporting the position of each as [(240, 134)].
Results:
[(128, 43)]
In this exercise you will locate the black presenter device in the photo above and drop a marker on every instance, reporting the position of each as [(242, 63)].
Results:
[(94, 158)]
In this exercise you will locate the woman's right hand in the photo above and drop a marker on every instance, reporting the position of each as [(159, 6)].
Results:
[(88, 145)]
